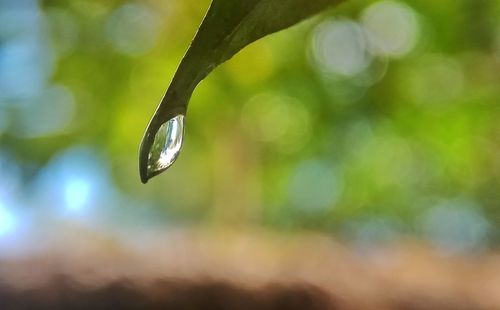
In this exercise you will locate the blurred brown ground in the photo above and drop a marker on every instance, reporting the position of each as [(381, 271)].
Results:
[(235, 270)]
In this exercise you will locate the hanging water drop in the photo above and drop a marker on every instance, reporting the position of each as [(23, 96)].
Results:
[(166, 146)]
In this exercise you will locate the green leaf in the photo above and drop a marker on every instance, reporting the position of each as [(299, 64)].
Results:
[(228, 27)]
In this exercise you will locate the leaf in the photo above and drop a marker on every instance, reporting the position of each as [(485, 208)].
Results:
[(228, 27)]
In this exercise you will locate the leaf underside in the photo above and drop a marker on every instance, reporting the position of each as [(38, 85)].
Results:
[(228, 27)]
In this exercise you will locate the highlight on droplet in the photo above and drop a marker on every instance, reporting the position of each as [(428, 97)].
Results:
[(166, 146)]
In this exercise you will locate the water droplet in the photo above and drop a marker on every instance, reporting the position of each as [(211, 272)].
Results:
[(166, 146)]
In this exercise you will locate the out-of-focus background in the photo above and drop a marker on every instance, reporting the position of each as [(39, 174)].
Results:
[(375, 123)]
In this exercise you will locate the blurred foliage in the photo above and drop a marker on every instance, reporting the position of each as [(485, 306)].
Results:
[(374, 120)]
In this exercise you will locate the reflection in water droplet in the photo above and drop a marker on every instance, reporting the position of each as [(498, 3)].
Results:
[(166, 146)]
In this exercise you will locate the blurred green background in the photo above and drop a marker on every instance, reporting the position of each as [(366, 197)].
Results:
[(373, 122)]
